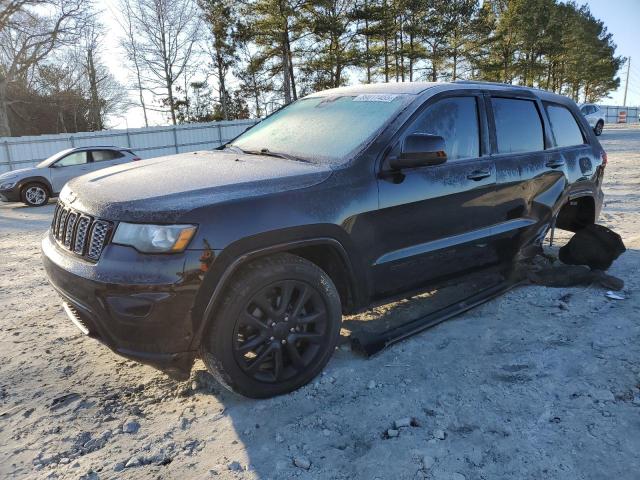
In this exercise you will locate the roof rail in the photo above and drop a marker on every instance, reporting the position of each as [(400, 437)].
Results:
[(482, 82)]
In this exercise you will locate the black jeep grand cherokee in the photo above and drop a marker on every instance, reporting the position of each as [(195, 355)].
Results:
[(249, 255)]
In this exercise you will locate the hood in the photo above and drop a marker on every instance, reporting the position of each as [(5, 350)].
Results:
[(177, 184), (20, 173)]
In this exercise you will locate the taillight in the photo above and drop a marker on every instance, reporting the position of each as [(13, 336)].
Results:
[(135, 159), (603, 156)]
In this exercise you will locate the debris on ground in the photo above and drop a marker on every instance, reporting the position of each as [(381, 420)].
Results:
[(302, 462), (595, 246), (614, 296)]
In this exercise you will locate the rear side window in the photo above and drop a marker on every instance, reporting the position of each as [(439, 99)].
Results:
[(518, 125), (104, 155), (564, 126), (456, 120)]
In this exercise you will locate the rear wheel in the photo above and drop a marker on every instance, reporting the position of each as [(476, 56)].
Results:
[(34, 194), (598, 128), (276, 328)]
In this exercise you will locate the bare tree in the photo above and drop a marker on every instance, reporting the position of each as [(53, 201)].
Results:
[(106, 95), (8, 8), (131, 46), (27, 37), (167, 32)]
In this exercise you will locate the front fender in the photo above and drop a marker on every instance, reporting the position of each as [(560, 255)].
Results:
[(36, 178), (228, 262)]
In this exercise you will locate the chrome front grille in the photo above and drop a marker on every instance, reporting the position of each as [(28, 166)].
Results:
[(82, 230), (79, 233), (68, 231), (99, 233)]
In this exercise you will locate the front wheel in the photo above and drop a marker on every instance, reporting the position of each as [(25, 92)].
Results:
[(34, 194), (276, 328), (598, 128)]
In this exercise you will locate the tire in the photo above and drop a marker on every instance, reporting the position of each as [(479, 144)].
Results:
[(260, 344), (34, 194), (598, 128)]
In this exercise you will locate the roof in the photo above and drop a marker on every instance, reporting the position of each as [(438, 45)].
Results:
[(416, 88), (411, 88), (97, 147)]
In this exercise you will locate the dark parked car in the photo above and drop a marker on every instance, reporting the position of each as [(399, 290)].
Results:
[(248, 256), (34, 186)]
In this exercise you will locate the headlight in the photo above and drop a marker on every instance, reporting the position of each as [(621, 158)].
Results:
[(7, 185), (154, 238)]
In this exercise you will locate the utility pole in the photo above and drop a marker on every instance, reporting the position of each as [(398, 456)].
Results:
[(626, 84)]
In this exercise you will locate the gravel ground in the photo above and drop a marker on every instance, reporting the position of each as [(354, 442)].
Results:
[(539, 383)]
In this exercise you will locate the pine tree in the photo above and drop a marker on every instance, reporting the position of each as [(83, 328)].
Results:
[(219, 16), (333, 33), (273, 26)]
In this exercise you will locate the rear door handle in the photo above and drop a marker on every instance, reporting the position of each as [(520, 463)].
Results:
[(555, 163), (479, 175)]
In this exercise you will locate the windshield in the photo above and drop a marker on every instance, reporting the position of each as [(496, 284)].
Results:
[(47, 162), (322, 129)]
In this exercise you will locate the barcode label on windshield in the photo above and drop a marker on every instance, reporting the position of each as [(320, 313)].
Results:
[(375, 97)]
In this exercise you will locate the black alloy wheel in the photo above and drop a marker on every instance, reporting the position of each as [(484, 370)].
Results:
[(275, 328), (281, 331)]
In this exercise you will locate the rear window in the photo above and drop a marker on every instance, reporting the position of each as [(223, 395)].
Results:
[(518, 125), (564, 126), (104, 155)]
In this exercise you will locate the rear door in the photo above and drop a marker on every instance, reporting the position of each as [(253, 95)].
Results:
[(435, 221), (571, 147), (592, 115), (68, 167), (525, 171)]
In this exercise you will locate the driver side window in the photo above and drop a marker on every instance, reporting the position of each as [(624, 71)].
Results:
[(456, 120), (76, 158)]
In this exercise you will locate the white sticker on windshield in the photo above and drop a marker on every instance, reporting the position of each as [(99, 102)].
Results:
[(375, 97)]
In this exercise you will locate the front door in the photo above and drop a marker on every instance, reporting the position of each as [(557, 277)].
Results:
[(437, 221), (71, 166)]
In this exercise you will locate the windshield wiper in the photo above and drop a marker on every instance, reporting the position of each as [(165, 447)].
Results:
[(233, 148), (265, 151), (269, 153)]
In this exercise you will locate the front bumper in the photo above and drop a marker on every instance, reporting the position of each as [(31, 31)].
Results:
[(137, 305), (10, 195)]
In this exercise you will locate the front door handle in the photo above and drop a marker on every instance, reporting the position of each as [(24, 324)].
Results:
[(555, 163), (479, 175)]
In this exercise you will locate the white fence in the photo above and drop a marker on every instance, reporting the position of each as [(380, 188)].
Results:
[(22, 152), (612, 113)]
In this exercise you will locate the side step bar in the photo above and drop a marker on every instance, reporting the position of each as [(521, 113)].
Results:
[(370, 344)]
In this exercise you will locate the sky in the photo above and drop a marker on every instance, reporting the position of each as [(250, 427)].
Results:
[(622, 18)]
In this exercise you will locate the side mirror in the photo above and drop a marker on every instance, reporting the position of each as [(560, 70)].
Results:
[(419, 150)]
